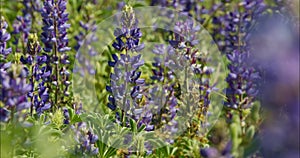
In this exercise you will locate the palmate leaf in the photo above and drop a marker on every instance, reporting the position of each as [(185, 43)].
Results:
[(110, 136)]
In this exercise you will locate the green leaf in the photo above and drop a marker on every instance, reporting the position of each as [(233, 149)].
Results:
[(133, 126), (250, 132)]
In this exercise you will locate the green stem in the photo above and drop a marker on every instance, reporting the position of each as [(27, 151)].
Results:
[(125, 95)]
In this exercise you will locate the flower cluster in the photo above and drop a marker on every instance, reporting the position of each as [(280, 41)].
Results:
[(185, 42), (14, 89), (4, 37), (241, 80), (234, 26), (165, 90), (40, 74), (125, 83), (86, 139), (55, 39), (23, 24), (85, 38)]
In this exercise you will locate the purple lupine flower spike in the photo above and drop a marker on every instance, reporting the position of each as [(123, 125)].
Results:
[(242, 79), (194, 62), (126, 86), (39, 73), (234, 26), (23, 24), (55, 40), (242, 88), (86, 139), (82, 38), (14, 91), (4, 37)]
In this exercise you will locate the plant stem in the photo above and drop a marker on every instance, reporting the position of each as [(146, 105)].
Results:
[(56, 64), (125, 95), (32, 82)]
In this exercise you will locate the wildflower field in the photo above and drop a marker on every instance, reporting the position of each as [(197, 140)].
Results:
[(149, 78)]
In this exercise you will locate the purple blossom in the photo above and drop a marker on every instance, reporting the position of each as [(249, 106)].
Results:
[(84, 39), (4, 37), (232, 28), (212, 152), (126, 86), (164, 96), (242, 86), (86, 139), (55, 40), (23, 24), (190, 59), (40, 75), (14, 91)]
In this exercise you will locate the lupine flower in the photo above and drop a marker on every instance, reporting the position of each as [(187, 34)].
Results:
[(86, 139), (165, 96), (126, 75), (4, 37), (185, 43), (55, 39), (84, 58), (39, 74), (212, 152), (231, 29), (14, 89), (22, 24), (242, 88)]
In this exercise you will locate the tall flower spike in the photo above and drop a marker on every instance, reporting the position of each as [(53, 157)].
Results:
[(55, 39), (165, 90), (193, 61), (234, 25), (86, 140), (13, 93), (40, 74), (86, 37), (4, 37), (242, 88), (125, 82), (23, 24)]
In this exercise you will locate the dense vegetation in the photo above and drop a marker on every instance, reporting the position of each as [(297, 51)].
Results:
[(169, 78)]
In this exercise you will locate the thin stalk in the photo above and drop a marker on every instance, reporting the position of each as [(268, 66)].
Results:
[(32, 82), (56, 64), (162, 88), (125, 95)]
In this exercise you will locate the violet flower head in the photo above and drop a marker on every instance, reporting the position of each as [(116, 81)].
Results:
[(55, 27), (242, 85), (14, 89), (40, 73), (165, 95), (85, 38), (22, 26), (86, 139), (126, 84), (128, 36), (232, 28), (194, 64), (4, 37), (55, 40)]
